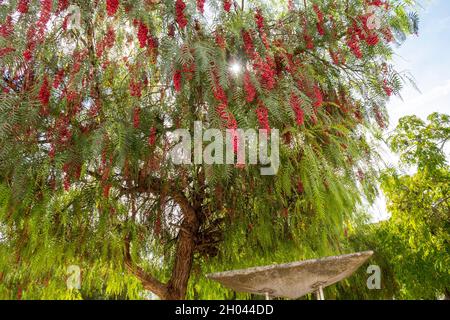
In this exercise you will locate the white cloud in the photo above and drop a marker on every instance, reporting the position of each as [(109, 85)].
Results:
[(436, 99)]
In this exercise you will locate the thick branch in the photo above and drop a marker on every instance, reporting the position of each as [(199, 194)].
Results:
[(149, 282)]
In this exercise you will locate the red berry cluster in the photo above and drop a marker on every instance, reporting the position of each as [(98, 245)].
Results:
[(136, 117), (157, 226), (106, 190), (220, 40), (249, 88), (309, 41), (59, 135), (227, 5), (142, 33), (379, 3), (35, 34), (379, 117), (107, 42), (291, 5), (218, 91), (66, 169), (361, 32), (62, 130), (5, 51), (104, 168), (145, 37), (44, 93), (188, 71), (201, 6), (320, 23), (177, 80), (265, 69), (171, 31), (259, 19), (179, 12), (221, 109), (358, 115), (135, 88), (22, 6), (300, 186), (58, 78), (65, 23), (46, 11), (78, 58), (111, 7), (63, 5), (52, 152), (387, 34), (368, 35), (248, 43), (7, 28), (318, 98), (152, 137), (110, 38), (286, 61), (263, 116), (353, 44), (334, 56), (387, 89), (31, 44), (296, 106)]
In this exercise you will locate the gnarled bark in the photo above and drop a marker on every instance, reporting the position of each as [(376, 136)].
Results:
[(175, 288)]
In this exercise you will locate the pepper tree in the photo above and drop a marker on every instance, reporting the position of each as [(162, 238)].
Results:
[(91, 91)]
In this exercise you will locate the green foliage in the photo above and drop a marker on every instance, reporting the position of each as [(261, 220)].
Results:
[(423, 144), (81, 183), (413, 246)]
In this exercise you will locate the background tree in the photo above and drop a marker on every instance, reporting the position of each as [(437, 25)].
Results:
[(413, 246), (86, 112)]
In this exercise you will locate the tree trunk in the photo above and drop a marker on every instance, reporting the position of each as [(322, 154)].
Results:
[(186, 246), (178, 283), (176, 288)]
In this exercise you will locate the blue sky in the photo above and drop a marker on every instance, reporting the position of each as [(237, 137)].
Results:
[(427, 58)]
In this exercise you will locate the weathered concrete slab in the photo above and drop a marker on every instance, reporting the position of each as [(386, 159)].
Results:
[(292, 280)]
